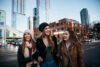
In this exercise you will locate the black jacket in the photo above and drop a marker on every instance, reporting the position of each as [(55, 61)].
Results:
[(22, 60), (41, 48)]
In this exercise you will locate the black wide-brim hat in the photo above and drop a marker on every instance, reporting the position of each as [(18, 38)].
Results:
[(42, 26)]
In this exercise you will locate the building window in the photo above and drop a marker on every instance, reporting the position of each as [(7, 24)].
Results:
[(62, 28)]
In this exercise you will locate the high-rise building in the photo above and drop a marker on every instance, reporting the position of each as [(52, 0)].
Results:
[(84, 17), (30, 23), (18, 7), (2, 27), (36, 14), (35, 18)]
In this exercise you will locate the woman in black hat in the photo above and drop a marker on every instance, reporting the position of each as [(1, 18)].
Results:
[(46, 45)]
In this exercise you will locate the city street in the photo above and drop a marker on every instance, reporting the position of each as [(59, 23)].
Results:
[(44, 18), (8, 55), (92, 54)]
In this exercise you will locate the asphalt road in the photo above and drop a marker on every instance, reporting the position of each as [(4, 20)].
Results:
[(92, 54), (8, 55)]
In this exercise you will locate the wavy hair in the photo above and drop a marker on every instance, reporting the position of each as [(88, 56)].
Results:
[(31, 41)]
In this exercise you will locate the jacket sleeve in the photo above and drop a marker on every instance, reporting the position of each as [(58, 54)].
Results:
[(35, 55), (39, 47), (80, 55), (20, 56)]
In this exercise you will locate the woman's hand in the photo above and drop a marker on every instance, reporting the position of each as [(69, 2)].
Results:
[(40, 59), (29, 64), (34, 51), (27, 44)]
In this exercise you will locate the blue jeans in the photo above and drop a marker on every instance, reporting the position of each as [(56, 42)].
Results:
[(51, 63)]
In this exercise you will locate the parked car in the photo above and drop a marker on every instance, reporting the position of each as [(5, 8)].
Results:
[(13, 42), (98, 36), (18, 42), (87, 40)]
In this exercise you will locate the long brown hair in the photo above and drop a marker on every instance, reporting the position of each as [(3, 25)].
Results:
[(72, 37), (31, 41), (50, 40)]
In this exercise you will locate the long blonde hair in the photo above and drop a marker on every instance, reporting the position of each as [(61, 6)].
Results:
[(31, 41), (50, 40)]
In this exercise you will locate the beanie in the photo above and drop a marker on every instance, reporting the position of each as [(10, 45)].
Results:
[(27, 31), (42, 26)]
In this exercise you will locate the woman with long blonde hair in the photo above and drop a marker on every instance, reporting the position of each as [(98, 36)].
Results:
[(46, 46), (27, 52)]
